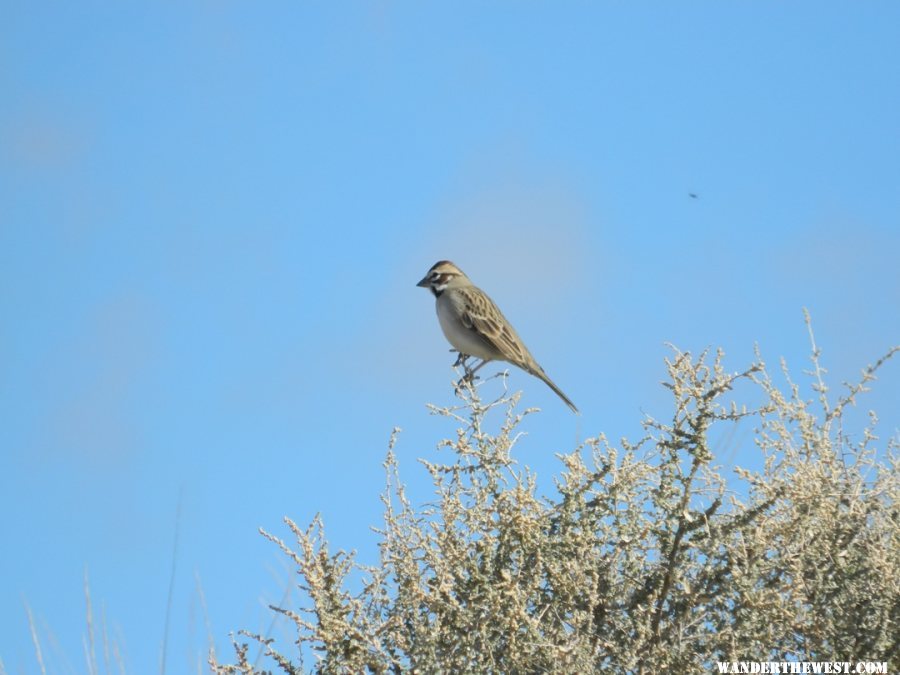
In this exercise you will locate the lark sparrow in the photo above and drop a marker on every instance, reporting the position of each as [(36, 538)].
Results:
[(474, 325)]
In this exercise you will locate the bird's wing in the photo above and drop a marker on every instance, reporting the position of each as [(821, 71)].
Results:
[(481, 314)]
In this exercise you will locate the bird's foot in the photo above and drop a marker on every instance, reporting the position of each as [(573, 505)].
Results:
[(468, 378), (461, 360), (469, 373)]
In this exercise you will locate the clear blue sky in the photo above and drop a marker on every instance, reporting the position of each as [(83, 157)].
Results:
[(212, 218)]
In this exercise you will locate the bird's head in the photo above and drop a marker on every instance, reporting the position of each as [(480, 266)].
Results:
[(443, 275)]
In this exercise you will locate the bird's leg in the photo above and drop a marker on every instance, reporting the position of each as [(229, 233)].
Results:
[(461, 360), (477, 368), (470, 372)]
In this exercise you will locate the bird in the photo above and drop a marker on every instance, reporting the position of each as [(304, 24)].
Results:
[(476, 327)]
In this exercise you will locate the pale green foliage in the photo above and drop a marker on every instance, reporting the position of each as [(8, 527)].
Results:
[(645, 560)]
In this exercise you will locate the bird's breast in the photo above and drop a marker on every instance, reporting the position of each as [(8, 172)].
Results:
[(463, 338)]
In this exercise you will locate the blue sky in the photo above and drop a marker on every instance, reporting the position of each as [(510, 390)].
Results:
[(212, 218)]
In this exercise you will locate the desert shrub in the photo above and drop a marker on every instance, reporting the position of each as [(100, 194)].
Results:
[(645, 560)]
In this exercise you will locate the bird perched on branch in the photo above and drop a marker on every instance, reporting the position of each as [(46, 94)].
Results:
[(475, 326)]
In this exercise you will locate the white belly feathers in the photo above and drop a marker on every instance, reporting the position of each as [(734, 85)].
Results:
[(463, 339)]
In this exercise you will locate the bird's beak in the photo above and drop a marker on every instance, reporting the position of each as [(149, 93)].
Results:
[(424, 282)]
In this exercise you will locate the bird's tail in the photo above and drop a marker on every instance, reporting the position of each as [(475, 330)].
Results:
[(539, 373)]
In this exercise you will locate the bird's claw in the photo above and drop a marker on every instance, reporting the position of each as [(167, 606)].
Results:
[(463, 361), (468, 378)]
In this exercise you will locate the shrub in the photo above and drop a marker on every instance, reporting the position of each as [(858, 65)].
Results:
[(646, 560)]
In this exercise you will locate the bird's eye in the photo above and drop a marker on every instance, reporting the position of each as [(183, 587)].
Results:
[(435, 276)]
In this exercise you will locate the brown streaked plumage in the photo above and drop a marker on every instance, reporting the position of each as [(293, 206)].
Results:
[(475, 326)]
